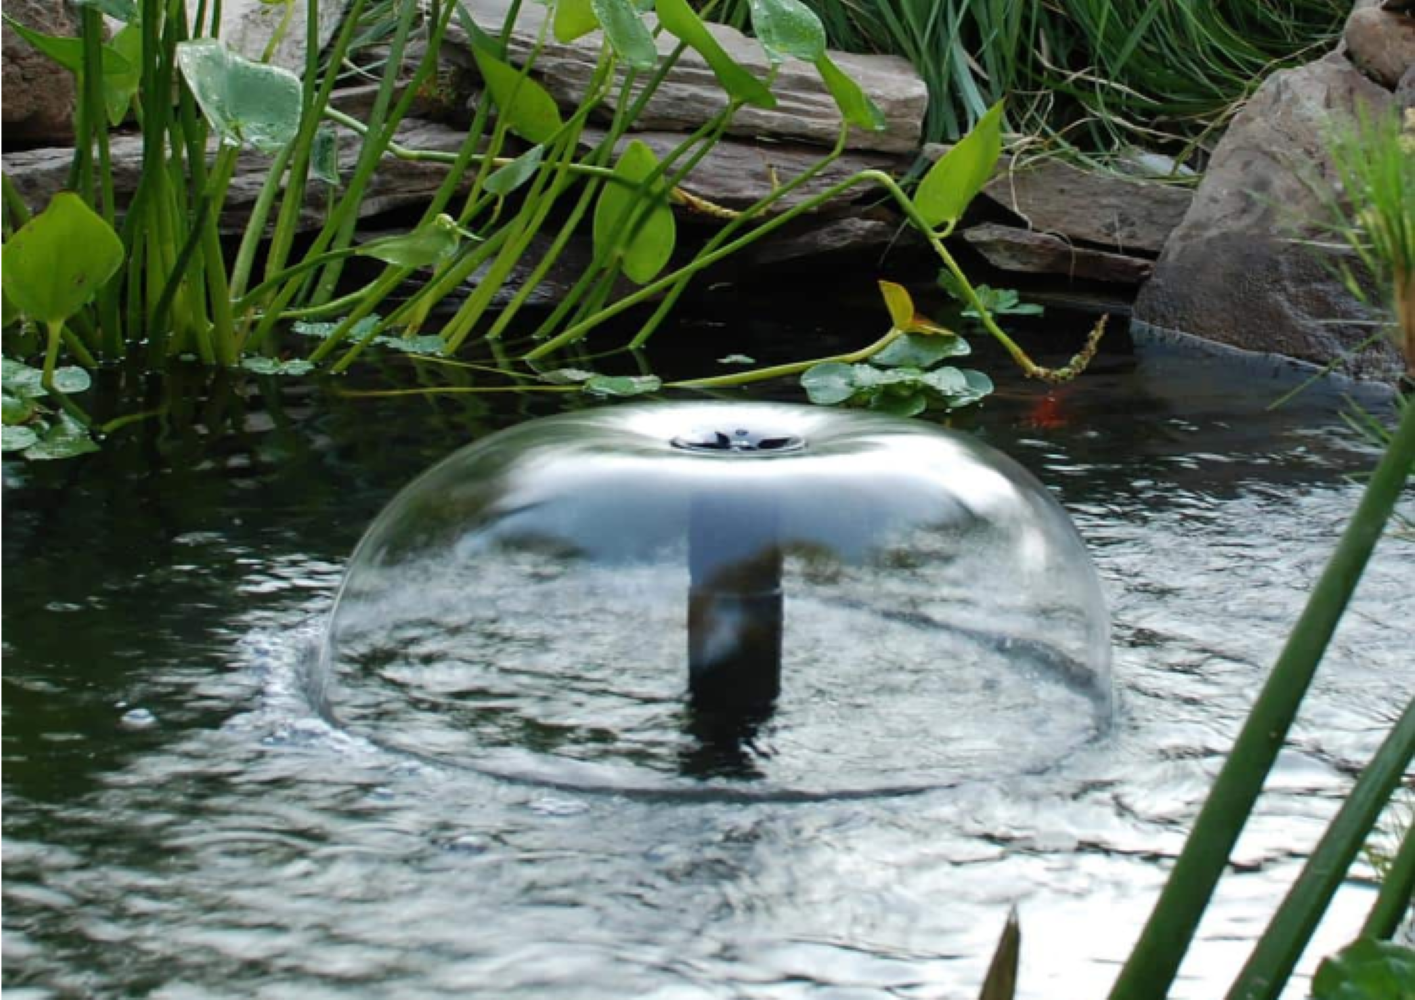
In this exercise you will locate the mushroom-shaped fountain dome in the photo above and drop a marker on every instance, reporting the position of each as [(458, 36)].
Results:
[(647, 596)]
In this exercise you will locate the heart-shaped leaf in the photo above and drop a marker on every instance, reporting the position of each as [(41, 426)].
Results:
[(16, 409), (1366, 969), (566, 376), (245, 101), (921, 351), (59, 259), (946, 381), (573, 19), (829, 383), (431, 243), (960, 173), (64, 439), (17, 438), (643, 237), (517, 172), (787, 28), (529, 110), (855, 105), (68, 51), (627, 33), (622, 385), (682, 21)]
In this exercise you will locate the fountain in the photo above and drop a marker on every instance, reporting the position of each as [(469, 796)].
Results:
[(651, 596)]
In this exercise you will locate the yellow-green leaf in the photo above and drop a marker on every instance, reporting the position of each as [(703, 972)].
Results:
[(681, 21), (642, 237), (899, 303), (573, 19), (959, 174), (529, 110), (854, 104), (58, 260)]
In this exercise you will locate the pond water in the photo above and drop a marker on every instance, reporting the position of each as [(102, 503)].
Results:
[(180, 822)]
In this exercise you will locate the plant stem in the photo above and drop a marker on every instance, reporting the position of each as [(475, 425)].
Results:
[(1152, 965), (46, 379), (1393, 901), (791, 368)]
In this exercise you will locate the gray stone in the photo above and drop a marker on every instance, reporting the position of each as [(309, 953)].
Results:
[(39, 93), (1053, 197), (691, 94), (1236, 270), (1032, 252), (248, 26), (737, 173), (38, 174), (1382, 43)]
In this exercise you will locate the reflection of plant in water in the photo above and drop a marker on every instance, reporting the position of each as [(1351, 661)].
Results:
[(179, 295)]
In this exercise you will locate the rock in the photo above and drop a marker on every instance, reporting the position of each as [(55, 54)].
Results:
[(1032, 252), (1405, 90), (691, 94), (1053, 197), (39, 174), (822, 238), (248, 26), (1382, 43), (39, 102), (737, 173), (1232, 271)]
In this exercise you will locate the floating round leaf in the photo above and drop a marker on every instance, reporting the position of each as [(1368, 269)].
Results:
[(64, 439)]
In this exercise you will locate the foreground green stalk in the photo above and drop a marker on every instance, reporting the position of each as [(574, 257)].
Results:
[(1397, 891), (1152, 965), (1277, 951), (791, 368)]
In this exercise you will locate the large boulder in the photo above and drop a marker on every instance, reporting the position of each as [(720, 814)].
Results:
[(691, 94), (1238, 270), (1381, 42), (39, 93)]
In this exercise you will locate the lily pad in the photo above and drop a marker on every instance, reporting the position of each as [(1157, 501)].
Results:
[(16, 438), (65, 438), (914, 350), (17, 409), (622, 386), (829, 383), (274, 366), (909, 404), (566, 376), (21, 380)]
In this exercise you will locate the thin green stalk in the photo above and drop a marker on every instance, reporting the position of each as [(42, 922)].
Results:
[(1394, 900), (791, 368), (1277, 951), (223, 348), (46, 379), (255, 227), (1152, 965)]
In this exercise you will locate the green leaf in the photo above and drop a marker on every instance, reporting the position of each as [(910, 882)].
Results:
[(946, 381), (121, 86), (622, 385), (19, 379), (16, 438), (682, 21), (58, 260), (324, 155), (627, 33), (515, 173), (920, 351), (787, 28), (909, 404), (17, 409), (64, 439), (978, 384), (1001, 302), (829, 383), (573, 19), (736, 359), (274, 366), (566, 376), (431, 243), (245, 101), (120, 10), (324, 330), (855, 105), (66, 51), (529, 110), (428, 343), (644, 238), (959, 174), (1366, 969)]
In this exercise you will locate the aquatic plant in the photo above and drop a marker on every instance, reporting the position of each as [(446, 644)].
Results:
[(1092, 73), (178, 297)]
